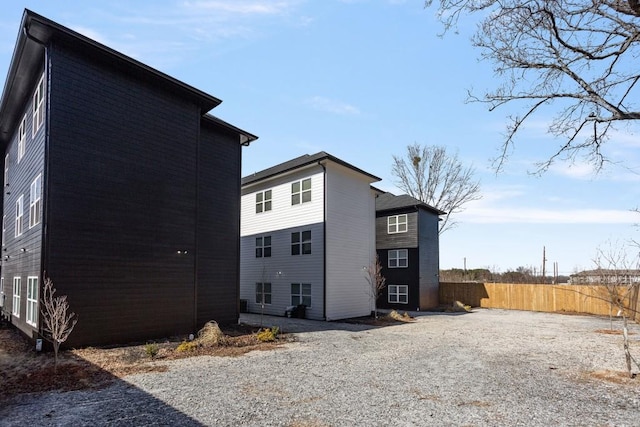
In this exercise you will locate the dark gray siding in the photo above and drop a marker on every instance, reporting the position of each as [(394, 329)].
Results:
[(428, 259), (121, 202), (400, 276), (17, 262), (218, 259), (385, 240)]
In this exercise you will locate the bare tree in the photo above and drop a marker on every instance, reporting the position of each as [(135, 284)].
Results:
[(376, 282), (618, 275), (578, 57), (58, 321), (437, 178)]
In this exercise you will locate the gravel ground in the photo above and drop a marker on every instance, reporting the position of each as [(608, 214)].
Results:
[(486, 368)]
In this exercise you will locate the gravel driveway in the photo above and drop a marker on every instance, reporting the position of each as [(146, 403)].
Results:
[(486, 368)]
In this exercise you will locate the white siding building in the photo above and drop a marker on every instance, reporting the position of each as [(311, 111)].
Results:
[(307, 232)]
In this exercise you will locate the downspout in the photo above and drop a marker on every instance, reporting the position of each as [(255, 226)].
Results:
[(324, 242)]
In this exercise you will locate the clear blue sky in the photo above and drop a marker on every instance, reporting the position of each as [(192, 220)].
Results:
[(362, 79)]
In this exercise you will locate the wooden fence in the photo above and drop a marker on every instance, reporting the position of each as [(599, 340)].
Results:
[(587, 299)]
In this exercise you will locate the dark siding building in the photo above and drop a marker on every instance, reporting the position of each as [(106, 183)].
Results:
[(408, 249), (140, 192)]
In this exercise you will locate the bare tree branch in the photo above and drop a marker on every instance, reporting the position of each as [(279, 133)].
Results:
[(575, 58), (58, 320), (376, 283), (437, 178)]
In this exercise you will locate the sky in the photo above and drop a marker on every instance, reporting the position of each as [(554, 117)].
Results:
[(361, 80)]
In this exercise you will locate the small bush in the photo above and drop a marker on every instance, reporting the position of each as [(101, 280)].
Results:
[(151, 350), (268, 334), (187, 347)]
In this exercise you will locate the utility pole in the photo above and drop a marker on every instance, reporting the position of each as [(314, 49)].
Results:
[(544, 263)]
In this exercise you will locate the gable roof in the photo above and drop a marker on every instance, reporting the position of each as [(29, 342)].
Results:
[(27, 64), (300, 162), (389, 201)]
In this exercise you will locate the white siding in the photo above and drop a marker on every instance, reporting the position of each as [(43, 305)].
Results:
[(350, 242), (282, 268), (282, 214)]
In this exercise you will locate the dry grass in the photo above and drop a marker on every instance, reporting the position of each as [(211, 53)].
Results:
[(612, 332), (22, 370), (616, 377)]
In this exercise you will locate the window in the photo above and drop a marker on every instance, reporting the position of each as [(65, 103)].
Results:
[(301, 191), (397, 224), (398, 294), (398, 258), (301, 242), (263, 201), (35, 206), (32, 301), (19, 215), (4, 227), (38, 106), (301, 294), (22, 140), (6, 170), (263, 247), (1, 291), (15, 309), (263, 293)]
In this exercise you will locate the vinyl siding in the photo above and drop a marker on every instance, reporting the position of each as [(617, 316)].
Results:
[(429, 260), (21, 174), (121, 202), (350, 242), (397, 240), (282, 269), (283, 214)]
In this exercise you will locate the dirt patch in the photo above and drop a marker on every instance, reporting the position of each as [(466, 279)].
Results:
[(617, 377), (612, 332), (23, 370)]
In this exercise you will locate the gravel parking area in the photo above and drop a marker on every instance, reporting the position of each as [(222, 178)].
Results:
[(486, 368)]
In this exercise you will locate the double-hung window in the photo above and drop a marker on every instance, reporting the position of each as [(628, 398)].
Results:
[(263, 247), (263, 201), (397, 224), (398, 258), (6, 170), (301, 243), (19, 216), (301, 191), (35, 204), (263, 293), (15, 308), (301, 294), (398, 294), (32, 300), (22, 138), (38, 106), (1, 292)]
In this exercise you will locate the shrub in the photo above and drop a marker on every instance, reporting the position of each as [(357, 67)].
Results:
[(187, 346), (151, 349), (268, 334)]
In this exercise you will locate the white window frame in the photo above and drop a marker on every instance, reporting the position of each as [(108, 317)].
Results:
[(6, 170), (15, 308), (264, 201), (35, 201), (263, 247), (38, 107), (32, 300), (4, 228), (397, 224), (398, 258), (1, 292), (395, 292), (300, 194), (301, 243), (22, 138), (302, 296), (19, 223), (262, 296)]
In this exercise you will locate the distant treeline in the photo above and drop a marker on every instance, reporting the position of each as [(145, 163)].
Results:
[(519, 275)]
